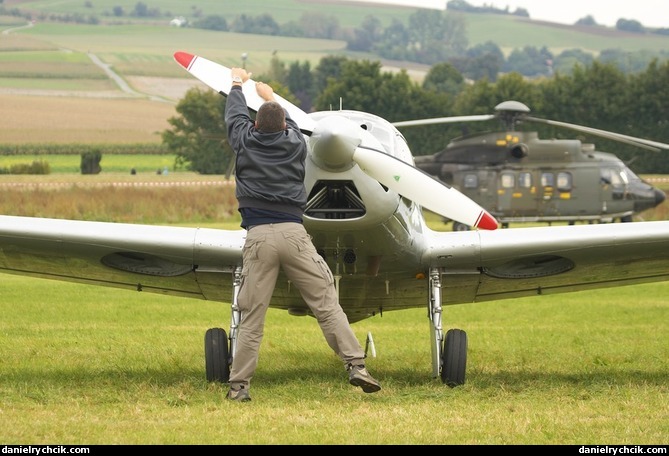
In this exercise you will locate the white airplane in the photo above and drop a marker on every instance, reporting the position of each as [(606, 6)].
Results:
[(365, 214)]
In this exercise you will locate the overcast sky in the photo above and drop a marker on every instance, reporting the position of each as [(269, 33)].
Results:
[(651, 13)]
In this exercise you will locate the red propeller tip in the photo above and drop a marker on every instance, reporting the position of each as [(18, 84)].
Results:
[(184, 59), (487, 222)]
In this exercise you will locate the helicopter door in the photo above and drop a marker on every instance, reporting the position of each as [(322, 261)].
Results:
[(516, 195), (549, 196)]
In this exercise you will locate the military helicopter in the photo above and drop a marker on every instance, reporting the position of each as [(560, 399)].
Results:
[(518, 177)]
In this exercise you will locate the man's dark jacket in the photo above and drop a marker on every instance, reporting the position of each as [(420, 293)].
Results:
[(269, 167)]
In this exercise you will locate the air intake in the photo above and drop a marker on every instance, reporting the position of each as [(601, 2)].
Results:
[(334, 200)]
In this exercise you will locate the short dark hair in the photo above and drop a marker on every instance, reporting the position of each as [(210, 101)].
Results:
[(270, 117)]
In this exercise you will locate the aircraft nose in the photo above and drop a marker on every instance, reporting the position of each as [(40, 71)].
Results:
[(660, 196)]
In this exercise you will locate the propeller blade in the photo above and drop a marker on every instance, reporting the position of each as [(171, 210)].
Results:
[(419, 186), (639, 142), (218, 77), (439, 120)]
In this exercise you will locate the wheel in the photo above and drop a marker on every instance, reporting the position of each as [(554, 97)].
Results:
[(454, 358), (626, 219), (216, 355)]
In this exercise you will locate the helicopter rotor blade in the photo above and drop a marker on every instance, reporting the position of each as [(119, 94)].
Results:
[(440, 120), (631, 140)]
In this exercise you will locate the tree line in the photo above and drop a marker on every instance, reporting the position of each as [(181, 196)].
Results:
[(598, 95)]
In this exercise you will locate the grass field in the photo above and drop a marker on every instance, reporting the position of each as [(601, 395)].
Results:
[(91, 365), (115, 164), (85, 365)]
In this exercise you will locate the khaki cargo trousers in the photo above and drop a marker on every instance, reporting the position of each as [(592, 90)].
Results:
[(268, 249)]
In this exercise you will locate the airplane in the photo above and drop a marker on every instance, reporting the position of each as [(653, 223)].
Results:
[(520, 178), (365, 214)]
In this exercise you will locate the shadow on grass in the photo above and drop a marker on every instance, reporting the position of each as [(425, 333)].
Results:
[(290, 375)]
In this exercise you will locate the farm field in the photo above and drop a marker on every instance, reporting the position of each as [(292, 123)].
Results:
[(64, 65)]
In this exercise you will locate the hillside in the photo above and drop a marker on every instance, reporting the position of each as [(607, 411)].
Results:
[(58, 60)]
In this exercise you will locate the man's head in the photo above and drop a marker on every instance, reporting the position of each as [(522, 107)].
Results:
[(271, 117)]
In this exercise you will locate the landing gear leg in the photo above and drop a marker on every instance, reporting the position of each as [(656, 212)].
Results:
[(449, 352), (217, 353)]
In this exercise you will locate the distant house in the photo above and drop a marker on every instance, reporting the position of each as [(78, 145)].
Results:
[(179, 22)]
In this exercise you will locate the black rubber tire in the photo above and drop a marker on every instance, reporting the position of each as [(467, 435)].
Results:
[(216, 355), (454, 357)]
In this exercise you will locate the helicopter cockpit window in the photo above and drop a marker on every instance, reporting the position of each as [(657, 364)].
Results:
[(629, 174), (471, 181), (564, 182), (548, 180), (508, 180), (525, 180), (613, 177)]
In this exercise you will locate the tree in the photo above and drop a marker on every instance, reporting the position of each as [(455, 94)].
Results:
[(435, 36), (318, 25), (199, 136), (444, 77), (300, 81), (648, 93), (530, 61), (481, 61), (630, 25), (327, 68), (587, 20), (212, 22), (569, 58), (365, 37)]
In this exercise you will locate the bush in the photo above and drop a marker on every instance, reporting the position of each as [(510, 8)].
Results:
[(36, 167), (90, 162)]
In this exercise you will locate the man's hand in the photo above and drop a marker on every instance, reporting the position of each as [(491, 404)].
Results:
[(241, 72), (265, 91)]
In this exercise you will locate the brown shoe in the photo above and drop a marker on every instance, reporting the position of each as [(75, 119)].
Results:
[(240, 395), (358, 376)]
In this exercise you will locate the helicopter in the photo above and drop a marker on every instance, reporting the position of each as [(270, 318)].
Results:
[(518, 177)]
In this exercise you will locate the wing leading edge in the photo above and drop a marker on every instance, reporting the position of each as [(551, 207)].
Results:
[(168, 260), (513, 263), (475, 265)]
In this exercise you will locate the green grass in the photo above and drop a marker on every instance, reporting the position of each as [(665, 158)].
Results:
[(92, 365), (110, 163), (88, 365)]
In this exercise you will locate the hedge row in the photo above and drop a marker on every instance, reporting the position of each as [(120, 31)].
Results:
[(78, 149)]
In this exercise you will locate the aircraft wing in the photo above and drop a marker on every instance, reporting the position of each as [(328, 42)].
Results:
[(475, 265), (512, 263), (167, 260)]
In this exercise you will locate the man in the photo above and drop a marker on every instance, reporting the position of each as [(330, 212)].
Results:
[(270, 155)]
